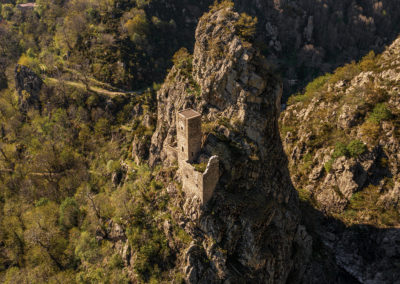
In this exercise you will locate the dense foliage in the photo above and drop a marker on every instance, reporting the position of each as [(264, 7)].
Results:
[(127, 44), (66, 177)]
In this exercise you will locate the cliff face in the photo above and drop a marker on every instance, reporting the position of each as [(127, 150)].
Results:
[(249, 230), (342, 141)]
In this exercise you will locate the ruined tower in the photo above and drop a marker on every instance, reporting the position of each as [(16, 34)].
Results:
[(194, 182), (188, 134)]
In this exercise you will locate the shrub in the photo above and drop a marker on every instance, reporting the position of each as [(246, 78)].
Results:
[(379, 113), (297, 98), (138, 24), (340, 150), (347, 72), (182, 60), (30, 62), (328, 165), (200, 167), (370, 131), (102, 127), (116, 261), (69, 212), (368, 62), (220, 5), (246, 27), (304, 195), (356, 148), (41, 202), (317, 84)]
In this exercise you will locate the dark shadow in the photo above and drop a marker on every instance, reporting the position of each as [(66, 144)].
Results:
[(362, 253)]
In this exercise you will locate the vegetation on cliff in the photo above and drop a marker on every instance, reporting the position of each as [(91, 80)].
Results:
[(351, 114)]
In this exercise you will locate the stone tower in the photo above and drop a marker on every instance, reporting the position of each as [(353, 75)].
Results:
[(188, 134)]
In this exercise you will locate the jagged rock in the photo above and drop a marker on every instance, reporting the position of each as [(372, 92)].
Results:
[(140, 149), (137, 110), (391, 198), (348, 117), (253, 217), (349, 175), (28, 81), (147, 120), (126, 253), (115, 232)]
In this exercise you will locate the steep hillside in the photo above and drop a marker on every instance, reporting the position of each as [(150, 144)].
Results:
[(342, 140)]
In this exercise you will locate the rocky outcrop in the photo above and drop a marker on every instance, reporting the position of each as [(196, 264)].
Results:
[(140, 149), (249, 230), (28, 85), (332, 175), (344, 160)]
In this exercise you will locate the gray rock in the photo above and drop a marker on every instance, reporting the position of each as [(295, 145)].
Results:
[(28, 81)]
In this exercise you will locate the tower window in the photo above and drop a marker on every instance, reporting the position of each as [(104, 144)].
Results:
[(183, 149), (192, 154)]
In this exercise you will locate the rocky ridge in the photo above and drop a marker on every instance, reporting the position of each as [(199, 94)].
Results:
[(305, 38), (250, 228)]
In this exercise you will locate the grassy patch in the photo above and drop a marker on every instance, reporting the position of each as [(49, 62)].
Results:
[(356, 148), (353, 149), (200, 167)]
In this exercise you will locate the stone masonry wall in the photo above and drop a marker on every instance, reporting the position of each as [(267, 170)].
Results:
[(197, 183), (189, 134), (210, 178), (192, 180)]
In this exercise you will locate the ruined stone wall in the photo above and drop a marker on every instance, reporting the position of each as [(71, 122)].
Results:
[(192, 180), (210, 178), (189, 136), (197, 183)]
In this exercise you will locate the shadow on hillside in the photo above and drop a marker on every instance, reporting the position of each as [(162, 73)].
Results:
[(306, 39), (347, 254), (363, 253)]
